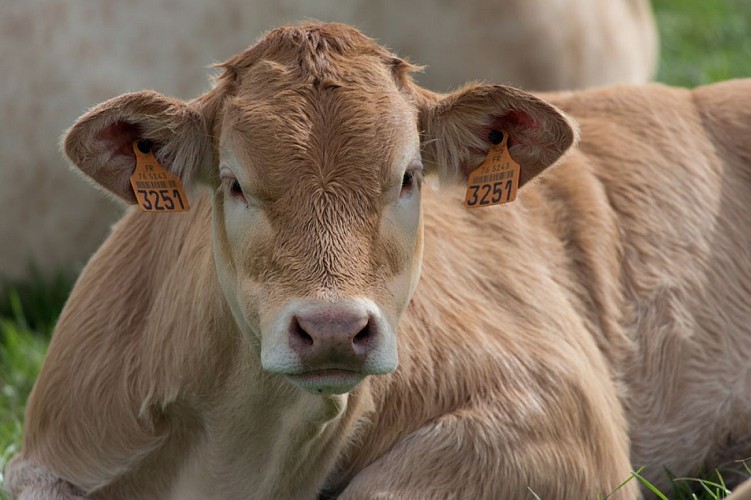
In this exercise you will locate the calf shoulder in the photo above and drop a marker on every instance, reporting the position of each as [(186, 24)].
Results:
[(130, 348)]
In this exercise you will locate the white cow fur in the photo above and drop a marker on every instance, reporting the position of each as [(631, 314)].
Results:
[(61, 57)]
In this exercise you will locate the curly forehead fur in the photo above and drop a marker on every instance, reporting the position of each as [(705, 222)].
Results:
[(325, 91), (315, 53)]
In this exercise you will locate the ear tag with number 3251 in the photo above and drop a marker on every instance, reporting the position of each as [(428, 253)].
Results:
[(156, 188), (496, 180)]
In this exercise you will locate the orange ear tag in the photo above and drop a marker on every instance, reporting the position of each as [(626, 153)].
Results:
[(156, 188), (496, 180)]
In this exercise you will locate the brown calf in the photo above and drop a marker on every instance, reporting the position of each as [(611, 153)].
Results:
[(598, 323)]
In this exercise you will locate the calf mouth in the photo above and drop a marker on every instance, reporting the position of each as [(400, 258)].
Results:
[(327, 381)]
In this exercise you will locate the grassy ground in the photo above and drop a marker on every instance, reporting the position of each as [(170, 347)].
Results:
[(701, 41), (27, 316)]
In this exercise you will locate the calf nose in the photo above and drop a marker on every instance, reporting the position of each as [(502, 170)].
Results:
[(333, 334)]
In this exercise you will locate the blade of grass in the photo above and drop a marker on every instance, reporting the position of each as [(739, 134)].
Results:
[(630, 478), (649, 486), (721, 492), (537, 497)]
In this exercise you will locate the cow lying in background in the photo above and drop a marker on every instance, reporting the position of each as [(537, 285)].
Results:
[(62, 57), (249, 346)]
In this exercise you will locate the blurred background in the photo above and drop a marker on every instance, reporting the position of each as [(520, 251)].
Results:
[(61, 57)]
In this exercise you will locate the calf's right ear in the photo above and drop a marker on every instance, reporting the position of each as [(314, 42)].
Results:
[(100, 143)]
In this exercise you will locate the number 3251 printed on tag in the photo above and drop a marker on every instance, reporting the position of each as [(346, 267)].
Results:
[(156, 188), (495, 181)]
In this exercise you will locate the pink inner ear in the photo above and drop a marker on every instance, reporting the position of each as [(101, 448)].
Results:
[(516, 123), (119, 138)]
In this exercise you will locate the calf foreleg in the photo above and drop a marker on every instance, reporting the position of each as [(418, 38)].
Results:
[(471, 454)]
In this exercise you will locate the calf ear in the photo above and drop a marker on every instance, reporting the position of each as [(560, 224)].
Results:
[(457, 129), (100, 143)]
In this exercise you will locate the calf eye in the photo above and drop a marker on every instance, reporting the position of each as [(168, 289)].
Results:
[(408, 180), (230, 182)]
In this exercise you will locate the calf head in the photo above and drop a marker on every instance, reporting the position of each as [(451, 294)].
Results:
[(315, 142)]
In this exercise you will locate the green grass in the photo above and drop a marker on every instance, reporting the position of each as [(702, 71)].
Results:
[(27, 315), (701, 41)]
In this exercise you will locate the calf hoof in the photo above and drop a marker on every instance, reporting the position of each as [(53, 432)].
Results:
[(25, 480)]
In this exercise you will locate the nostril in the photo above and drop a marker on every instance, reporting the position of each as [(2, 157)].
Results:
[(298, 332), (363, 336)]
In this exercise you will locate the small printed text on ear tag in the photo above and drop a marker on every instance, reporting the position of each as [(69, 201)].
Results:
[(496, 180), (156, 188)]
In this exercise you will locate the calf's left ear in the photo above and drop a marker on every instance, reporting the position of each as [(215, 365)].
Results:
[(100, 143), (456, 130)]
